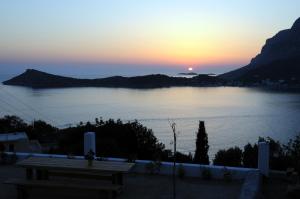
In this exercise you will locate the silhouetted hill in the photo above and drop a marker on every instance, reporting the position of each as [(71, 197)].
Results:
[(37, 79), (191, 73), (278, 60)]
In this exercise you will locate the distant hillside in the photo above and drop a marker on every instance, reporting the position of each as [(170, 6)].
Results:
[(278, 60), (37, 79), (191, 73)]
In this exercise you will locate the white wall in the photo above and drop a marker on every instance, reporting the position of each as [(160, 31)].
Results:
[(191, 170)]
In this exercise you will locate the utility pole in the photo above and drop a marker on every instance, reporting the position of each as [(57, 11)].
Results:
[(173, 126)]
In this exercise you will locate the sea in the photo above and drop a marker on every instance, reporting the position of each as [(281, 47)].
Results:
[(234, 116)]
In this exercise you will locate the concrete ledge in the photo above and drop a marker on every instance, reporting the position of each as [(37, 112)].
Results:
[(166, 168), (252, 186), (195, 170)]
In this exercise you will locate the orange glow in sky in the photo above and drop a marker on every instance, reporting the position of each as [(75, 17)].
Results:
[(181, 33)]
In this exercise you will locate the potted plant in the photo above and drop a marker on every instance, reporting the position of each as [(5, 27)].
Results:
[(90, 157)]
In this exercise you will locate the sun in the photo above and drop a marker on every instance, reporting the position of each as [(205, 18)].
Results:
[(190, 69)]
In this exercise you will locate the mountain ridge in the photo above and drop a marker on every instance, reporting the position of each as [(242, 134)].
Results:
[(283, 46)]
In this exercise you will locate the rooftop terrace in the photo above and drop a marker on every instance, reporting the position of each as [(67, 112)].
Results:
[(140, 186)]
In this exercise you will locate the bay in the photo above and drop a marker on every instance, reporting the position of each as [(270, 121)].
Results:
[(233, 116)]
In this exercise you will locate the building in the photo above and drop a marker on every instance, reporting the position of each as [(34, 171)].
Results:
[(18, 142)]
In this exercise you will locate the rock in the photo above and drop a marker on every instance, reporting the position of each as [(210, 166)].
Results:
[(283, 47)]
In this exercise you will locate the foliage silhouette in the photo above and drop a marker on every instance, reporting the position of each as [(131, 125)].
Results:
[(250, 156), (113, 138), (202, 146), (230, 157)]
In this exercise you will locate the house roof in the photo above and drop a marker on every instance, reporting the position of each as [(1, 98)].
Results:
[(5, 137)]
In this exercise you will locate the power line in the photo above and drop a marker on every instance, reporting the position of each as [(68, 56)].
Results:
[(28, 106), (14, 110)]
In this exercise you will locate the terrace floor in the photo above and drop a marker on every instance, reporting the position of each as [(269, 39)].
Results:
[(136, 186)]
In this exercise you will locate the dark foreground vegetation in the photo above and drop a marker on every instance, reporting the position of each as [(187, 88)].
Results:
[(132, 140), (129, 140), (281, 156)]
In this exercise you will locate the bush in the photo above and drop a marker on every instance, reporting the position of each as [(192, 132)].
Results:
[(12, 124), (250, 156), (230, 157), (278, 158), (293, 152), (115, 139), (206, 174)]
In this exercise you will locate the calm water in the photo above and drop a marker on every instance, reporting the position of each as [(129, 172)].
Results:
[(233, 116)]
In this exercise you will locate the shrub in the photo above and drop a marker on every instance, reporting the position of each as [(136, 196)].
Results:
[(293, 152), (12, 124), (250, 156), (113, 139), (230, 157), (278, 158)]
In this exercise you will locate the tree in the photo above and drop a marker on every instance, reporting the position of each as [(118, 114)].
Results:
[(202, 146), (113, 139), (12, 123), (42, 131), (293, 153), (278, 158), (250, 156), (173, 126), (231, 157)]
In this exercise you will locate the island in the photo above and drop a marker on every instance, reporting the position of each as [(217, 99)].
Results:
[(38, 79), (191, 74), (277, 66)]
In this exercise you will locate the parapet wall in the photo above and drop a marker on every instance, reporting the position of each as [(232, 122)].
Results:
[(166, 168)]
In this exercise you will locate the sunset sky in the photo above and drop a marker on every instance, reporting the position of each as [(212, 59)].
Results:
[(134, 36)]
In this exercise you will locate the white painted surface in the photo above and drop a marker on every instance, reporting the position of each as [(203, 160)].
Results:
[(89, 142), (251, 188), (191, 170), (263, 158)]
